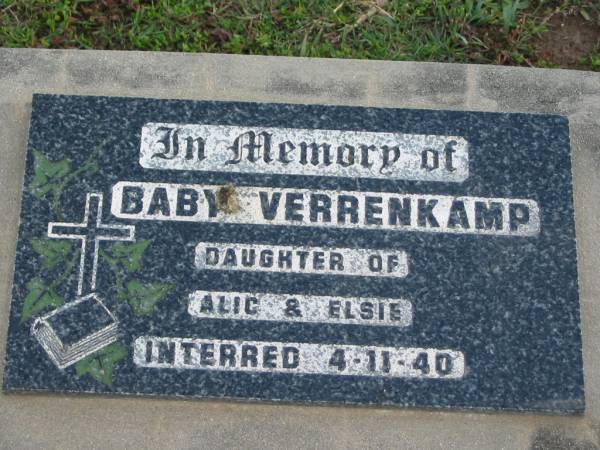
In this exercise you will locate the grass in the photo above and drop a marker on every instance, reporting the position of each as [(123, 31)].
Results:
[(478, 31)]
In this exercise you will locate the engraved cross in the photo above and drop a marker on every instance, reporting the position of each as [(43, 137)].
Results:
[(90, 232)]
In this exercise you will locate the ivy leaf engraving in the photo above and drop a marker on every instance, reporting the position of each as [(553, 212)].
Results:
[(89, 167), (38, 298), (143, 297), (53, 251), (129, 256), (48, 175), (100, 365)]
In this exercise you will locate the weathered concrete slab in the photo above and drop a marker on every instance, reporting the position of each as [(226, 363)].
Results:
[(75, 422)]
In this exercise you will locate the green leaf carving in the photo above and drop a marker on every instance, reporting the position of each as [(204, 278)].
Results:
[(90, 167), (100, 365), (143, 297), (129, 256), (54, 251), (48, 175), (39, 297)]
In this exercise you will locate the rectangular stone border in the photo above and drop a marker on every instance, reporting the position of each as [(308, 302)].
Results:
[(59, 421)]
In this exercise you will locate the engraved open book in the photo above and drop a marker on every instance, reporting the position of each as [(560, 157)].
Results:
[(61, 334)]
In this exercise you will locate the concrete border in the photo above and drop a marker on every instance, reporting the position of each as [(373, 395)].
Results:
[(31, 421)]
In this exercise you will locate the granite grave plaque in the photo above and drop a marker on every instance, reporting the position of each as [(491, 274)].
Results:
[(297, 253)]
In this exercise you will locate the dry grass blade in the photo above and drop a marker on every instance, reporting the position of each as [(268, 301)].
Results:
[(375, 7)]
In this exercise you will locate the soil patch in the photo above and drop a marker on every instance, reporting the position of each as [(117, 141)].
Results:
[(570, 38)]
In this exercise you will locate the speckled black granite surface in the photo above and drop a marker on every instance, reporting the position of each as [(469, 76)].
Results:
[(510, 304)]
